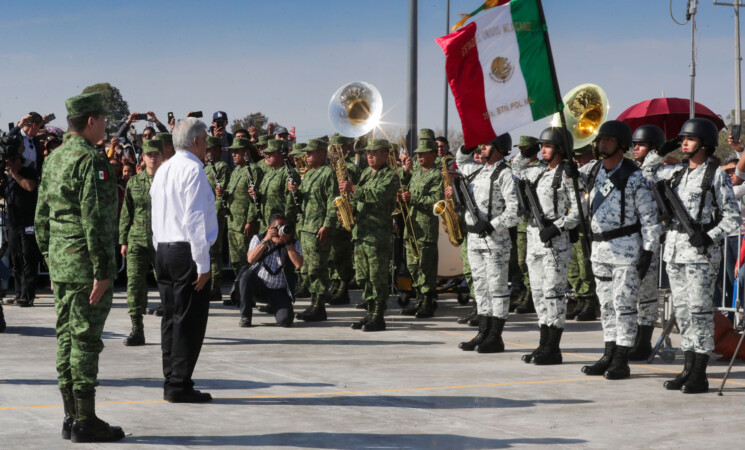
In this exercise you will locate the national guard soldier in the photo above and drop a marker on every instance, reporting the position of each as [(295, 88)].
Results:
[(424, 190), (647, 138), (492, 189), (317, 193), (218, 175), (552, 215), (76, 230), (692, 259), (625, 232), (136, 238), (375, 200), (167, 140), (472, 318), (272, 193)]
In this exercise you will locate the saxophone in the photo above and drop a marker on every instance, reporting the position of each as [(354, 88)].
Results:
[(301, 163), (343, 207), (446, 209)]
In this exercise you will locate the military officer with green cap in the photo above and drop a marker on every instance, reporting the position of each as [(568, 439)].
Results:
[(167, 140), (272, 193), (424, 190), (261, 146), (76, 231), (375, 200), (317, 193), (136, 238), (218, 175)]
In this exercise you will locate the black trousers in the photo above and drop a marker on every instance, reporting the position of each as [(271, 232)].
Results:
[(252, 287), (185, 312), (24, 260)]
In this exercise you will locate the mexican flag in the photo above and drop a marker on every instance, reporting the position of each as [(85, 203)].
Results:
[(499, 70)]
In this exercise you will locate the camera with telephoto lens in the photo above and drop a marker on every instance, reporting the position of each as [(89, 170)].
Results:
[(285, 230)]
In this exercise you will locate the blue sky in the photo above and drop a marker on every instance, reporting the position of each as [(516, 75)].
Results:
[(287, 58)]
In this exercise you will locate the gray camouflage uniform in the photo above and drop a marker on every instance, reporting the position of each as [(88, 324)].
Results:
[(649, 299), (548, 276), (692, 279), (489, 257)]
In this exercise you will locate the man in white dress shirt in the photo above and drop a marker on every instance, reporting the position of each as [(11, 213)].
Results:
[(184, 222)]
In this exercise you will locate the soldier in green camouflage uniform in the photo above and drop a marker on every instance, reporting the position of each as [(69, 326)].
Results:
[(136, 238), (76, 231), (375, 200), (218, 174), (301, 289), (167, 140), (342, 249), (317, 193), (261, 146), (272, 193), (423, 191)]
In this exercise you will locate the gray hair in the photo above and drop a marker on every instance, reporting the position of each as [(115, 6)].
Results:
[(185, 131)]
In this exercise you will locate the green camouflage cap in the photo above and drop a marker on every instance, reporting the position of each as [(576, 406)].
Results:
[(426, 146), (582, 151), (341, 140), (377, 144), (165, 138), (275, 145), (91, 103), (426, 133), (152, 146), (213, 142), (315, 144), (240, 143), (264, 139), (298, 149), (526, 141)]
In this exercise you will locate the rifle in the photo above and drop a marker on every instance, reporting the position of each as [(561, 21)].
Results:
[(223, 200), (254, 199), (290, 177), (534, 207), (463, 197), (680, 213)]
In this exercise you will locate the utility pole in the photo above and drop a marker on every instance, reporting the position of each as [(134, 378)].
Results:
[(738, 62), (691, 16)]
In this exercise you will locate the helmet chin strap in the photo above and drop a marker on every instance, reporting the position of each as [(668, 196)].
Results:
[(606, 155), (693, 153)]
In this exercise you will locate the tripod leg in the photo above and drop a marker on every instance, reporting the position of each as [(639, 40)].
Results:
[(662, 338), (731, 363)]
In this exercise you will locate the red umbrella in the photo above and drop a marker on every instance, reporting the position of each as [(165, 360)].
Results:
[(667, 113)]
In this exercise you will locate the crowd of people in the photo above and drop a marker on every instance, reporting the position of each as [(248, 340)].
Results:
[(316, 219)]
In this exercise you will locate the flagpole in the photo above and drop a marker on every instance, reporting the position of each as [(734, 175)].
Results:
[(584, 241), (411, 119), (447, 87)]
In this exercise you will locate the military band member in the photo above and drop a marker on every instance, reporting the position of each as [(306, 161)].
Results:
[(423, 191), (375, 200), (272, 193), (136, 238), (493, 191), (692, 260), (549, 246), (625, 232), (218, 174)]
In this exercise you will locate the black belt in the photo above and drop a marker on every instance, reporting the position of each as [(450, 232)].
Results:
[(696, 227), (617, 233)]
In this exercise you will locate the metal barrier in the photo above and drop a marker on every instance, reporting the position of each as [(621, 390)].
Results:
[(734, 304)]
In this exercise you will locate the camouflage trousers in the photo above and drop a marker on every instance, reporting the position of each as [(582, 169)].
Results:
[(238, 246), (373, 264), (617, 290), (424, 269), (549, 277), (341, 258), (691, 286), (522, 253), (216, 254), (140, 258), (649, 299), (490, 271), (79, 328), (466, 265), (315, 263), (580, 273)]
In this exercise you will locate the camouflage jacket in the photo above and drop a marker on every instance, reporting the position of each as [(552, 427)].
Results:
[(75, 224), (317, 193), (135, 218), (426, 189), (375, 200), (678, 249), (273, 196), (217, 172), (236, 194)]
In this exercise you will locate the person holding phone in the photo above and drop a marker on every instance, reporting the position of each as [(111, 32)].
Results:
[(219, 129), (28, 129)]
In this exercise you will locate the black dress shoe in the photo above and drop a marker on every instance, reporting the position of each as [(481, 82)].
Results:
[(244, 322), (192, 396)]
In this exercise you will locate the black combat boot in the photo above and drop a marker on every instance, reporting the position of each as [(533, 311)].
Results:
[(302, 291), (526, 303), (697, 382), (333, 288), (551, 353), (341, 296), (301, 314), (377, 319), (542, 341), (602, 364), (317, 311), (677, 383), (427, 309), (472, 314), (588, 312), (89, 428), (484, 324), (137, 336), (642, 344), (3, 325), (413, 306), (619, 368), (493, 342), (68, 402), (578, 306), (369, 307)]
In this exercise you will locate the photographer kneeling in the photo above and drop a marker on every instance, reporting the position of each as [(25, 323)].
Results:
[(20, 191), (272, 257)]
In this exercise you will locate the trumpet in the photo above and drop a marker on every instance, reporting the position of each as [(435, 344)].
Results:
[(344, 210), (445, 209), (403, 208)]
